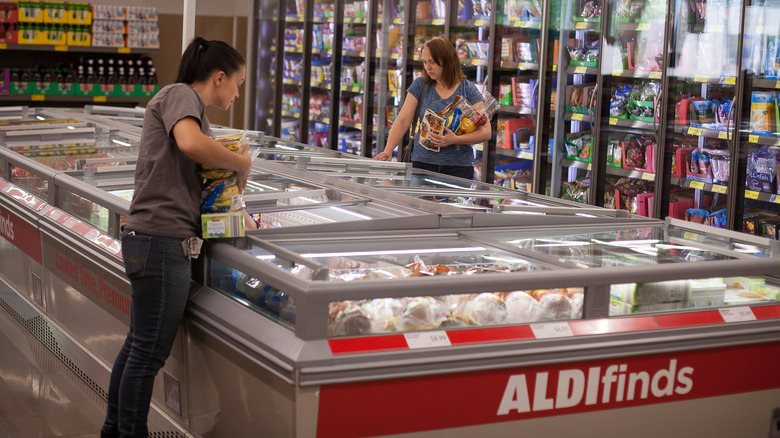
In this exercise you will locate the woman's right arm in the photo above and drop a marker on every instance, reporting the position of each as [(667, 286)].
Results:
[(205, 150), (399, 128)]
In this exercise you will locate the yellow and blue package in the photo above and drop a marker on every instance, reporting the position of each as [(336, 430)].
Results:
[(220, 196)]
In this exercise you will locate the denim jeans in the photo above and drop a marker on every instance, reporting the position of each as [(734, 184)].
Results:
[(160, 275), (466, 172)]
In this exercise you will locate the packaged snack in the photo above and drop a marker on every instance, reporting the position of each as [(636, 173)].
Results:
[(702, 113), (696, 215), (431, 123), (762, 112), (236, 143)]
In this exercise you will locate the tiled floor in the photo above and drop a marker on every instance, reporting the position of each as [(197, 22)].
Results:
[(39, 396)]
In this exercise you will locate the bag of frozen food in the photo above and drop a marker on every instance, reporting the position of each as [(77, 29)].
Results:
[(762, 112), (431, 123), (236, 143), (220, 196)]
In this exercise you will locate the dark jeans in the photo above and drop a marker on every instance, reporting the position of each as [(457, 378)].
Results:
[(160, 277), (466, 172)]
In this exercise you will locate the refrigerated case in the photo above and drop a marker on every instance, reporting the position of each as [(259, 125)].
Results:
[(335, 328)]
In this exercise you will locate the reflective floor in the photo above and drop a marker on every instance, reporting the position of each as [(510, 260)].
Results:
[(39, 396)]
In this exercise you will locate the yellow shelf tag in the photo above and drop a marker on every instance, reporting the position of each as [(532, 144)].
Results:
[(698, 185), (576, 116), (60, 48), (777, 84), (3, 46), (655, 75), (700, 79), (717, 188), (37, 97), (751, 194), (613, 121), (555, 67), (123, 50), (752, 139), (590, 165), (690, 236), (581, 25), (694, 131), (643, 26), (581, 70), (723, 135), (99, 98), (647, 176), (481, 23), (775, 199), (730, 80), (617, 73)]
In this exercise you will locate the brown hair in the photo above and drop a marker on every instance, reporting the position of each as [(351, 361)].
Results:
[(444, 54)]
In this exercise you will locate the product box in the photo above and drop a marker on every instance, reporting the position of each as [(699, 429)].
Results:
[(5, 81), (9, 33), (9, 12), (759, 182), (216, 225), (707, 293), (769, 227)]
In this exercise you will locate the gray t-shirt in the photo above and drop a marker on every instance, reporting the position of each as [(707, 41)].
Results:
[(166, 200), (453, 155)]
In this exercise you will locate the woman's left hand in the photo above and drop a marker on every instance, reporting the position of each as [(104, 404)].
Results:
[(446, 139)]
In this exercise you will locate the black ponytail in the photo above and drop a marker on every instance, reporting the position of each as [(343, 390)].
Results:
[(202, 58)]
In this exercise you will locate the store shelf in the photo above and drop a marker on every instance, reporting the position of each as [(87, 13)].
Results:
[(320, 85), (352, 89), (582, 70), (638, 74), (360, 54), (322, 51), (473, 23), (634, 124), (354, 20), (350, 124), (577, 164), (291, 81), (293, 19), (474, 62), (289, 114), (578, 117), (510, 65), (592, 26), (763, 140), (519, 110), (76, 49), (702, 132), (700, 185), (430, 22), (325, 120), (523, 24), (631, 173), (70, 98), (525, 155), (766, 83), (721, 80)]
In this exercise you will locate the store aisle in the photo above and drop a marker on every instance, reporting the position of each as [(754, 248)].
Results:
[(39, 396)]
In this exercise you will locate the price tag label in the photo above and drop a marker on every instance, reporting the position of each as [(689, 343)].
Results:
[(363, 53), (737, 314), (555, 67), (613, 121), (38, 97), (617, 73), (655, 75), (326, 120), (752, 139), (751, 194), (777, 84), (690, 236), (590, 165), (581, 25), (730, 80), (581, 70), (647, 176), (717, 188), (438, 21), (124, 50), (99, 99), (643, 26), (576, 116), (358, 126), (694, 131), (774, 199), (697, 185), (723, 135), (61, 48), (551, 330), (3, 46), (700, 79), (430, 339), (481, 23)]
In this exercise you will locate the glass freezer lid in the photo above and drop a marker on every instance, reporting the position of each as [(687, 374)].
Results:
[(369, 258), (649, 244)]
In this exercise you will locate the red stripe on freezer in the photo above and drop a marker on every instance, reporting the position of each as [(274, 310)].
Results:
[(690, 319), (492, 334), (613, 325), (367, 344), (766, 312)]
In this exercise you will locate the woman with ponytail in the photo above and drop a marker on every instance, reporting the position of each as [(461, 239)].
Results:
[(163, 229)]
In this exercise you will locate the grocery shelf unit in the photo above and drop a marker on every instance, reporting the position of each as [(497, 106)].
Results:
[(30, 56)]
